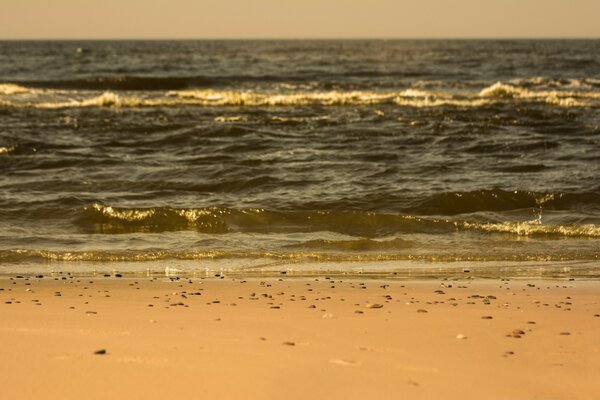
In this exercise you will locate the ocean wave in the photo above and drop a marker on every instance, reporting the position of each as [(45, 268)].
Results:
[(498, 93), (454, 203), (251, 98), (534, 228), (7, 89), (110, 220), (558, 97), (286, 82)]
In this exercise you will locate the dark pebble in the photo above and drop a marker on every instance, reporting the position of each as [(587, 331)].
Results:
[(487, 317), (565, 333), (422, 310), (289, 343), (100, 352)]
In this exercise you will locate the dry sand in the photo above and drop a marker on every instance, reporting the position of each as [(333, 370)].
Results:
[(309, 338)]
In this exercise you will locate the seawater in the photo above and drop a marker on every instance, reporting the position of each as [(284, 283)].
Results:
[(384, 156)]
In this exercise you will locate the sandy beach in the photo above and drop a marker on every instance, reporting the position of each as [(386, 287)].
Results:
[(296, 338)]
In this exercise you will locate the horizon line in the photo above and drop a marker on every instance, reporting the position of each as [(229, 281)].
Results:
[(315, 38)]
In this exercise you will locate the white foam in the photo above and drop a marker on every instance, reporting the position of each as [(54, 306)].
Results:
[(534, 227), (6, 150), (499, 92), (503, 90), (11, 88), (250, 98)]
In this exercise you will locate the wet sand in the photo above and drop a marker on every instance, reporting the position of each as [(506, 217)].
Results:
[(298, 338)]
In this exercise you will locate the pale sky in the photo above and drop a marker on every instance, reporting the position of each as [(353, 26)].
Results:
[(171, 19)]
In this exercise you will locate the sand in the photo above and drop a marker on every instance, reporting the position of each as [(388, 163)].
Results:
[(298, 338)]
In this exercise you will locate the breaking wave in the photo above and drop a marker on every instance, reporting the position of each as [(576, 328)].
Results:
[(498, 93), (98, 218)]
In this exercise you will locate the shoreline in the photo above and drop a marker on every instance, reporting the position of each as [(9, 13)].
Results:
[(299, 337), (255, 268)]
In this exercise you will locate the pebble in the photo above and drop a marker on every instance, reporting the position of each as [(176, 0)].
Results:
[(374, 306), (422, 310), (487, 317), (460, 336), (289, 343), (100, 352), (565, 333), (517, 333)]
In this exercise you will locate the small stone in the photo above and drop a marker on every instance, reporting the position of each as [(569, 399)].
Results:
[(422, 310), (487, 317), (460, 336), (289, 343), (100, 352), (517, 333), (374, 305), (565, 333)]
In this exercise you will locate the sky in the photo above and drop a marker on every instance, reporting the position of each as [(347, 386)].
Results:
[(226, 19)]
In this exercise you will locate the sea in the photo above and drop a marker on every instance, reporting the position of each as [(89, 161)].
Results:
[(388, 157)]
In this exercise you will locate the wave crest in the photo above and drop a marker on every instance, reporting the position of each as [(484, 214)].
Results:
[(498, 93), (8, 89), (109, 220)]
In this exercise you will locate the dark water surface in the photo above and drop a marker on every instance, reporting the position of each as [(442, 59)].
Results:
[(383, 155)]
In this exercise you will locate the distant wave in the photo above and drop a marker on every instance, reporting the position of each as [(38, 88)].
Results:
[(498, 93), (561, 98), (167, 83), (8, 89)]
